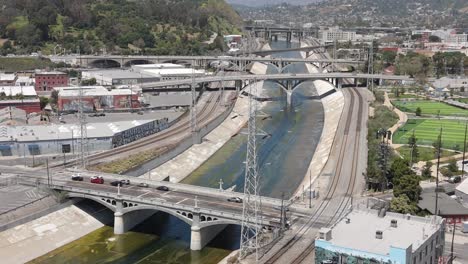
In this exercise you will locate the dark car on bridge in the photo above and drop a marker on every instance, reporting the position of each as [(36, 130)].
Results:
[(97, 179), (162, 188), (77, 177), (121, 182)]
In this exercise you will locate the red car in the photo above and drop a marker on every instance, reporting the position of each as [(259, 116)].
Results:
[(97, 179)]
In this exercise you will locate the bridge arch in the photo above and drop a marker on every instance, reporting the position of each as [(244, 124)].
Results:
[(103, 201), (104, 63), (136, 62), (185, 218)]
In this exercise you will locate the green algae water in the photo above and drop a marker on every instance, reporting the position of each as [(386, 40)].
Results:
[(284, 157)]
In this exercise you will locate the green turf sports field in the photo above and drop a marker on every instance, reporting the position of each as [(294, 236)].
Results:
[(427, 131), (430, 108)]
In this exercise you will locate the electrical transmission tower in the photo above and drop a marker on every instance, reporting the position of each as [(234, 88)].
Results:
[(252, 205), (83, 132), (370, 67)]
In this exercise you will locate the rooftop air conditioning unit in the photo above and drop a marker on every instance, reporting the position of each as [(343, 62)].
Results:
[(379, 234), (394, 223)]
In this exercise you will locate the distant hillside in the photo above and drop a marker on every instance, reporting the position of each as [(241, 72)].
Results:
[(124, 26), (271, 2)]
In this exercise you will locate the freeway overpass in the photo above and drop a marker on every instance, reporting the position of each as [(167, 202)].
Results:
[(292, 80), (206, 210), (271, 31), (198, 61)]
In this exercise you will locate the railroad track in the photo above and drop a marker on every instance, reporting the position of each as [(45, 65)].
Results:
[(347, 198), (328, 197), (179, 128)]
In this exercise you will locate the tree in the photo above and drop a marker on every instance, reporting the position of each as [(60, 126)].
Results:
[(43, 101), (389, 56), (403, 205), (452, 166), (418, 111), (434, 39), (427, 172), (407, 185), (54, 97), (414, 147), (399, 168), (91, 81)]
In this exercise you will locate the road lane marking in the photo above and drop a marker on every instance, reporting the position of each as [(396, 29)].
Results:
[(143, 194), (181, 201)]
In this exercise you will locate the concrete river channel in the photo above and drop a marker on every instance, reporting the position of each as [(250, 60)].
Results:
[(283, 160)]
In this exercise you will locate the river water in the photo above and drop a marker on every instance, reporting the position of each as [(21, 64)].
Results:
[(283, 161)]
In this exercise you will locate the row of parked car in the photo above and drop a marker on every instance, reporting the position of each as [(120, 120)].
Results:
[(100, 180)]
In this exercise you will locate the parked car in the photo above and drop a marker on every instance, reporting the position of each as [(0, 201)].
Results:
[(77, 177), (162, 188), (455, 179), (142, 184), (116, 183), (126, 182), (97, 179), (235, 200)]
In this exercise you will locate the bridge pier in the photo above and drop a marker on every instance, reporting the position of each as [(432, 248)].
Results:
[(200, 237), (320, 68), (126, 221), (339, 83), (289, 85)]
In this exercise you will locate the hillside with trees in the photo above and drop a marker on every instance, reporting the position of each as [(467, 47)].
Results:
[(119, 26)]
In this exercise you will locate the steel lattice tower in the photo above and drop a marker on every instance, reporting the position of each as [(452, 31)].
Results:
[(370, 67), (83, 132), (252, 204)]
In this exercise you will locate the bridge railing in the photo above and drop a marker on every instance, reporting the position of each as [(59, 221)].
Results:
[(158, 202), (197, 190)]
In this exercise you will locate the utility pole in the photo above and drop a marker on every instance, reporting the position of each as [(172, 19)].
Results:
[(48, 173), (464, 150), (370, 67), (437, 177), (193, 111), (251, 210), (453, 239), (83, 131)]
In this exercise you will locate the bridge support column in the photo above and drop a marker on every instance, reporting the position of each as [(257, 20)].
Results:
[(119, 225), (320, 67), (339, 83), (200, 237), (197, 138), (124, 222), (289, 85)]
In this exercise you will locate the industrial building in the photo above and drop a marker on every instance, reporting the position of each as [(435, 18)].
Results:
[(119, 77), (54, 138), (22, 97), (46, 81), (335, 34), (142, 67), (96, 98), (7, 79), (143, 73), (365, 236), (175, 73)]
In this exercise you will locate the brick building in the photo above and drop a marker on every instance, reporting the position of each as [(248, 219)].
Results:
[(46, 81)]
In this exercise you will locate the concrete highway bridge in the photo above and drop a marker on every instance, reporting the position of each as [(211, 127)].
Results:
[(288, 81), (269, 32), (206, 210), (241, 63)]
